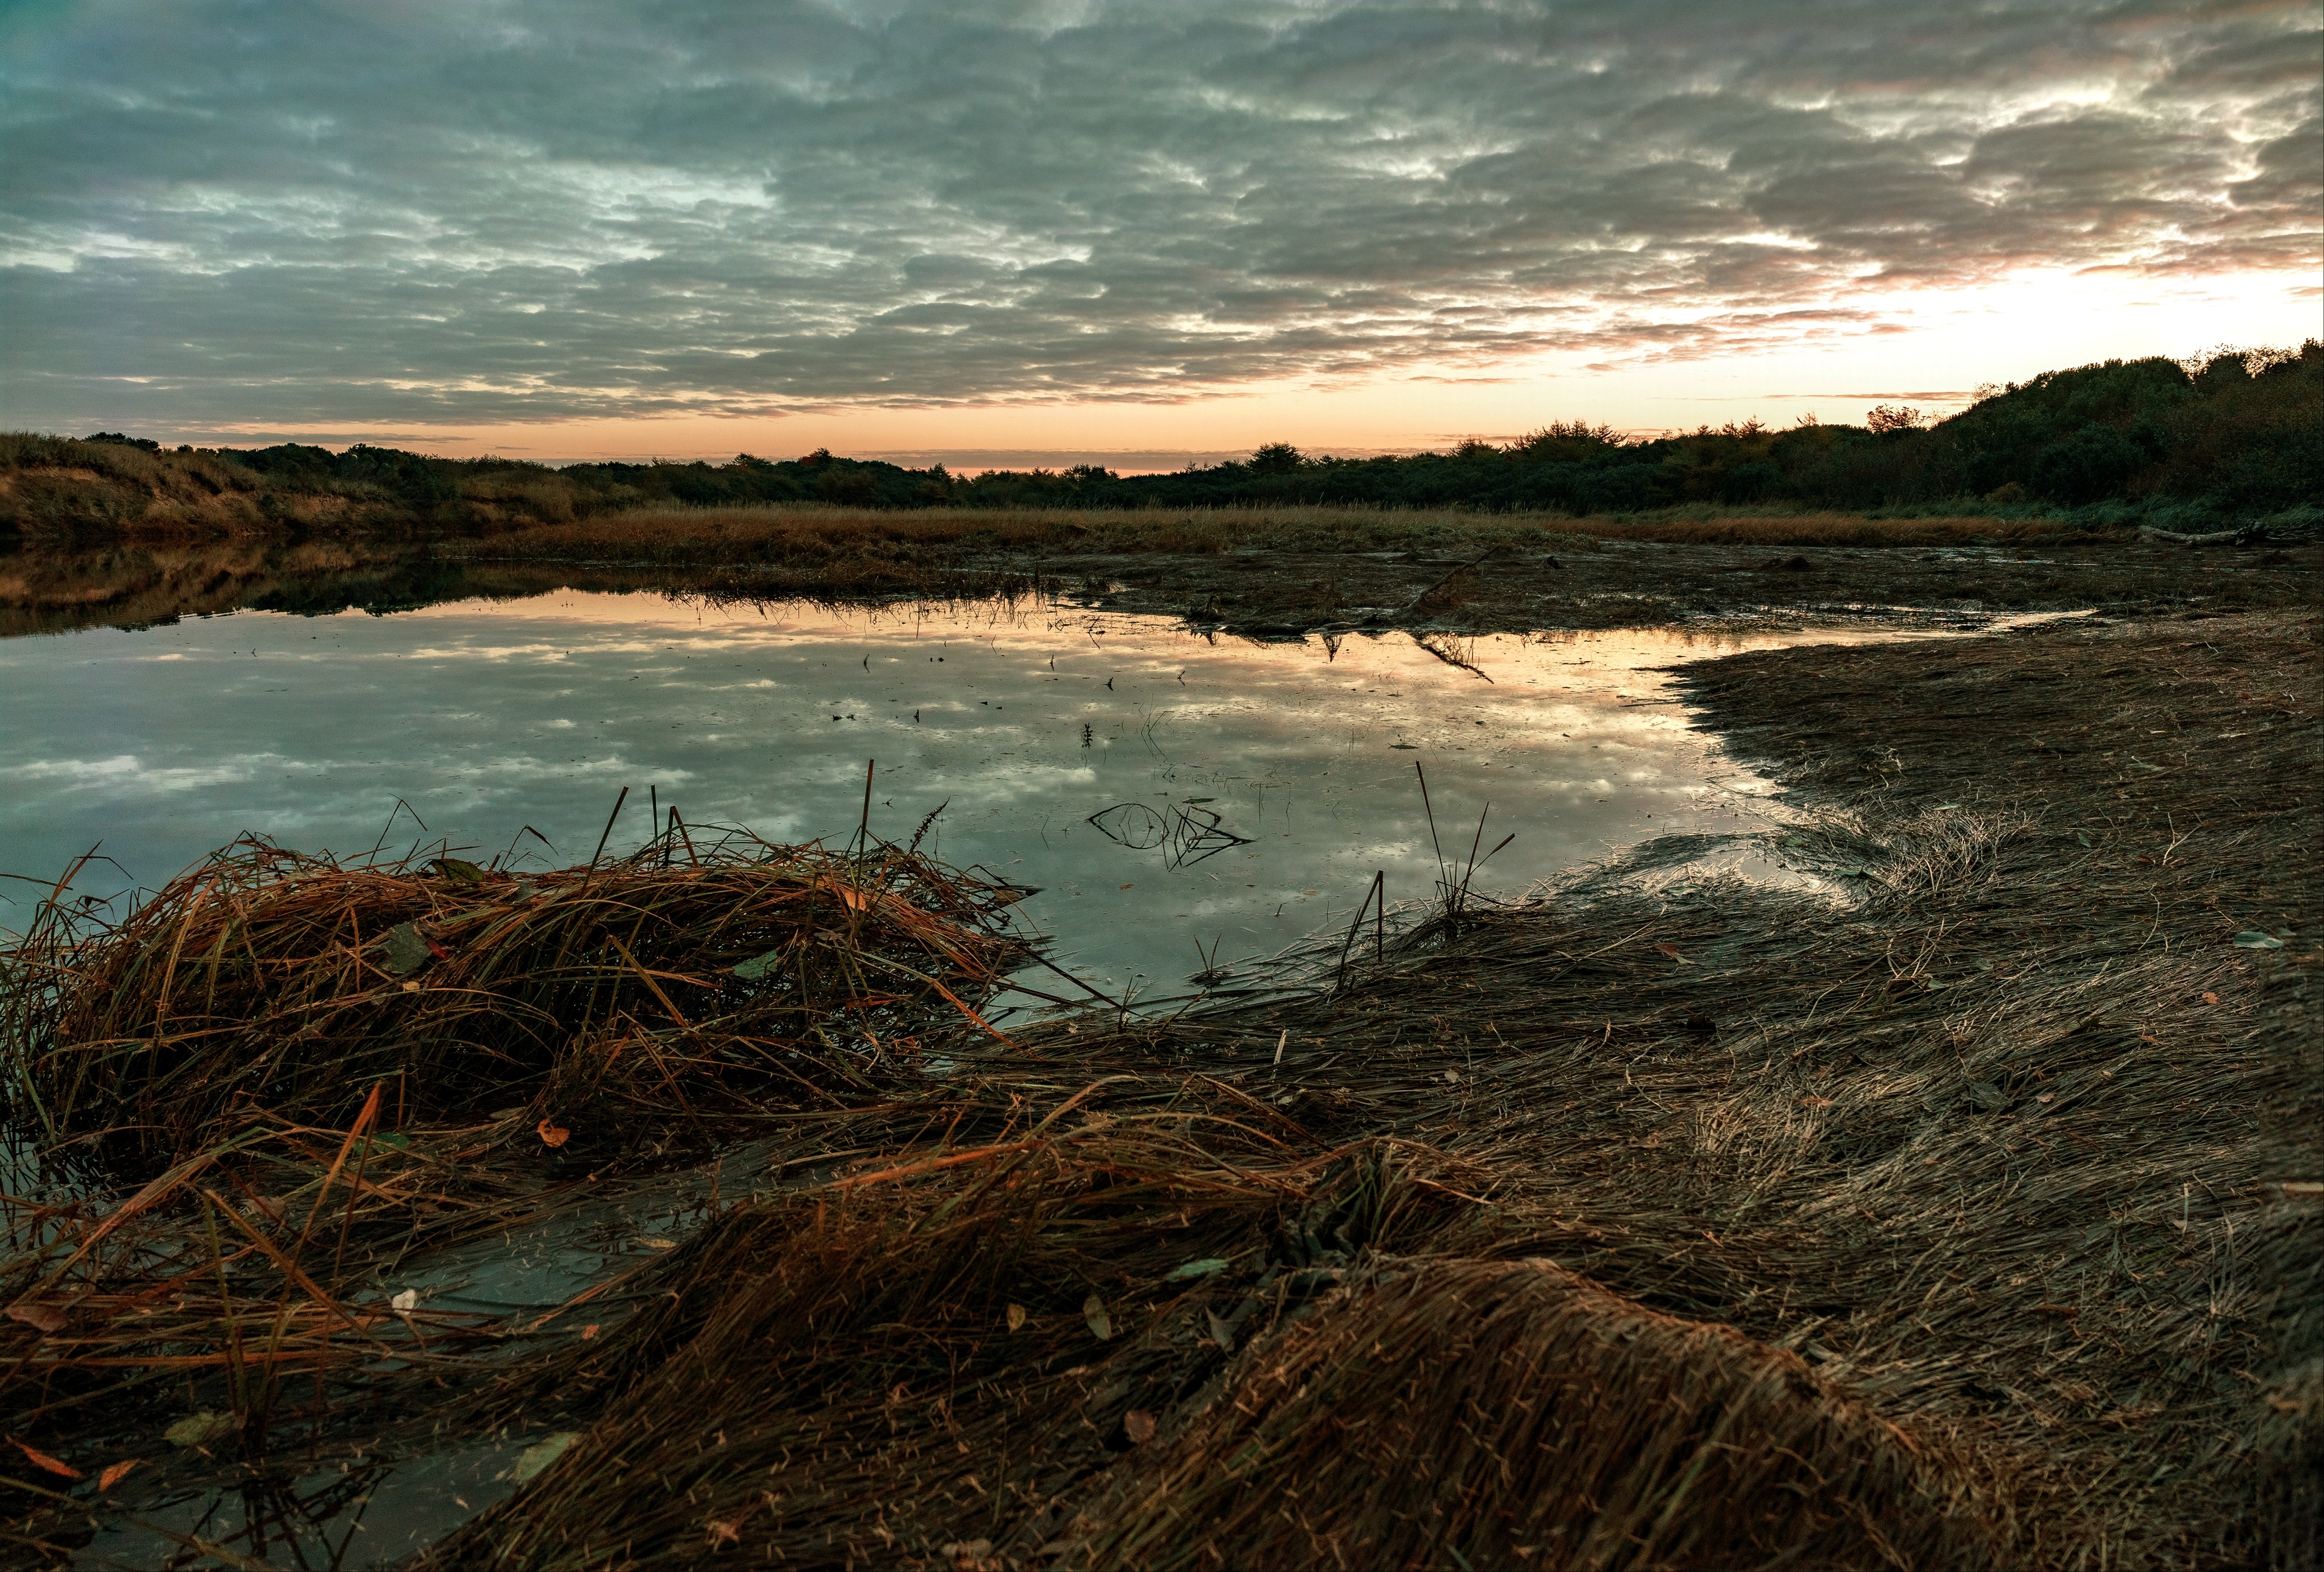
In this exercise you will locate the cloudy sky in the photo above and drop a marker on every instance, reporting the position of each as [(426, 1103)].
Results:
[(989, 231)]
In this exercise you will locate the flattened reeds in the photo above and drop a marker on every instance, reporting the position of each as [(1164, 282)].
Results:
[(264, 980), (1504, 1414)]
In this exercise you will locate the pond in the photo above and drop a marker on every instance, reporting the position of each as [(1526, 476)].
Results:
[(1174, 796)]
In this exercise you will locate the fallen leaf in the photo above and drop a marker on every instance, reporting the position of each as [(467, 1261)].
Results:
[(722, 1533), (758, 966), (196, 1429), (40, 1318), (967, 1550), (1667, 949), (2302, 1187), (1987, 1095), (1815, 1102), (406, 950), (2210, 999), (1094, 1312), (114, 1472), (1138, 1426), (1187, 1271), (457, 872), (553, 1134), (1130, 886), (1221, 1333), (2252, 939), (404, 1303), (659, 1244), (42, 1460), (542, 1454), (1016, 1317), (589, 1331)]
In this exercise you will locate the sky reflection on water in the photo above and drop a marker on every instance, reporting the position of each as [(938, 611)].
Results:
[(1019, 722)]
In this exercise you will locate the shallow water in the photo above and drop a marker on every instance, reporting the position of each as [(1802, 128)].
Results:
[(345, 1517), (1254, 789)]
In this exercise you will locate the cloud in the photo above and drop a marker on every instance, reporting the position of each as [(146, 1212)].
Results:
[(336, 214)]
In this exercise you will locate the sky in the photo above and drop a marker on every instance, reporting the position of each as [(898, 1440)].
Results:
[(1140, 234)]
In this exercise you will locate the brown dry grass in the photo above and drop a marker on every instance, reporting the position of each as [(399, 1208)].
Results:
[(701, 965)]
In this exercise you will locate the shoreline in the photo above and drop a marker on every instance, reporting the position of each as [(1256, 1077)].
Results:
[(1463, 575)]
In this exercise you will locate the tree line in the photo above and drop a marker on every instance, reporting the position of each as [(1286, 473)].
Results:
[(2235, 433)]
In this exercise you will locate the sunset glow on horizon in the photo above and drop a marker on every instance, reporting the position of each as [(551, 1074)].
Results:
[(1041, 234)]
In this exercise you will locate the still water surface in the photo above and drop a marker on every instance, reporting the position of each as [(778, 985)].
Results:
[(1246, 793)]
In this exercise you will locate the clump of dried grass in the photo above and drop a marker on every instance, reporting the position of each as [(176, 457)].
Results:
[(264, 980), (1504, 1414)]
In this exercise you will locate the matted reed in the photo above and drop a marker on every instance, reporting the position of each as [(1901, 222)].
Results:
[(267, 979)]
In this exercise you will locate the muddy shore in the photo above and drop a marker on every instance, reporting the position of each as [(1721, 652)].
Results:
[(1465, 576), (2002, 1141), (1616, 583)]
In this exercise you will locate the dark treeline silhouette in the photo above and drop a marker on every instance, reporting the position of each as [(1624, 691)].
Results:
[(2239, 434)]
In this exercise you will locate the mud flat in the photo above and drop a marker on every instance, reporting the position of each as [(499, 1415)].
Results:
[(1259, 572), (1961, 1208)]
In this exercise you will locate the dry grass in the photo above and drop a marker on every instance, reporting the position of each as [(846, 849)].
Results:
[(680, 975), (1514, 1414)]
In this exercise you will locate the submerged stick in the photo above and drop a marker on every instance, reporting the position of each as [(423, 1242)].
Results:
[(1444, 880), (608, 835), (1357, 926)]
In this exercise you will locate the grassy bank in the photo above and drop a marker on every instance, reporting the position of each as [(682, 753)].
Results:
[(1968, 1217)]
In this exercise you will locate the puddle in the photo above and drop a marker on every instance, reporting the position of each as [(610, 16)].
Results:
[(369, 1514), (1172, 796), (537, 1266)]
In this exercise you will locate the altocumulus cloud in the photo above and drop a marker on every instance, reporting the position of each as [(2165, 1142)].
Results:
[(480, 211)]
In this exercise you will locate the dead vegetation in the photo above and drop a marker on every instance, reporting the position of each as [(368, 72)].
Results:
[(1970, 1219), (691, 971)]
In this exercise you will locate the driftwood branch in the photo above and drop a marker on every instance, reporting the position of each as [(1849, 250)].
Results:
[(2247, 535)]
